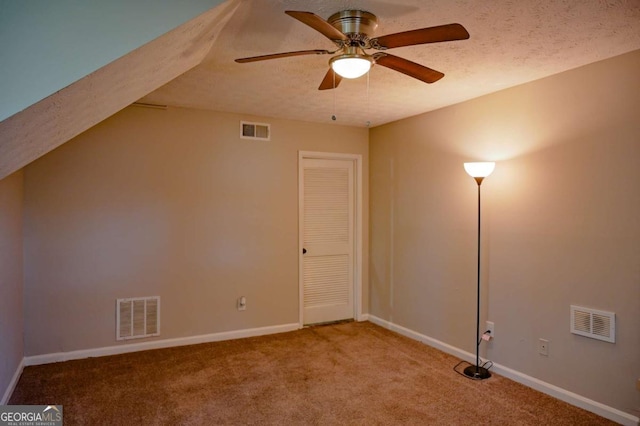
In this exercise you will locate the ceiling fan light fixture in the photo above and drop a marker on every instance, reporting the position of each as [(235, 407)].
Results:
[(351, 65)]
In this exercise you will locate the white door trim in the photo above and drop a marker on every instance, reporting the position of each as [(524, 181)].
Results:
[(358, 221)]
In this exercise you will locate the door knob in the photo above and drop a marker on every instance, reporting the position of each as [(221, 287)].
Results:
[(304, 251)]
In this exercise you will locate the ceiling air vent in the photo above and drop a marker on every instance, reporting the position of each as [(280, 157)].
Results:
[(137, 318), (256, 131), (592, 323)]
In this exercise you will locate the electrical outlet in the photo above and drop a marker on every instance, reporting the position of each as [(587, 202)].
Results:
[(491, 327), (543, 347), (242, 303)]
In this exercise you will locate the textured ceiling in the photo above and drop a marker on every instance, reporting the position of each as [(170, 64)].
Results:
[(512, 42)]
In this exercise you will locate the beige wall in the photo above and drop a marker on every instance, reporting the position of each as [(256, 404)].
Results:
[(561, 225), (170, 203), (11, 277)]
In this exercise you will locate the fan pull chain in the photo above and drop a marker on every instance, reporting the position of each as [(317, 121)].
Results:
[(368, 102), (333, 117)]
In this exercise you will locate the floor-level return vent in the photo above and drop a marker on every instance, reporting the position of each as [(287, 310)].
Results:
[(592, 323), (136, 318)]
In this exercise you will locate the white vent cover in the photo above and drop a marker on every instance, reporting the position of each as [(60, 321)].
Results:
[(259, 131), (592, 323), (137, 318)]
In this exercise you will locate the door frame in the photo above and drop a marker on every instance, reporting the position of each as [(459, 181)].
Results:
[(357, 228)]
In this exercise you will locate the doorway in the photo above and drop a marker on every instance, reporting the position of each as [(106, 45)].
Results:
[(330, 236)]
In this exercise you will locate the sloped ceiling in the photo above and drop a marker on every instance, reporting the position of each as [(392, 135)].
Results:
[(512, 42), (47, 124), (48, 45)]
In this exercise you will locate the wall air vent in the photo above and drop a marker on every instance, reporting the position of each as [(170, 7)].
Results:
[(592, 323), (137, 318), (256, 131)]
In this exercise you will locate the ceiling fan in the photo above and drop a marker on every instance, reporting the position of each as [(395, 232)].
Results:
[(350, 30)]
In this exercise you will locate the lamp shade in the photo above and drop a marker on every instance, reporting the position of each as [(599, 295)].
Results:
[(351, 66), (479, 170)]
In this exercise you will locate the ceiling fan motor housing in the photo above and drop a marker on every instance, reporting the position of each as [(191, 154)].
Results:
[(358, 25)]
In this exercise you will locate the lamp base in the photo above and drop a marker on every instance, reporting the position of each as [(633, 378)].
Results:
[(476, 372)]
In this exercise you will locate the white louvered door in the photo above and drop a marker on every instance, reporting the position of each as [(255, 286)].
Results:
[(328, 240)]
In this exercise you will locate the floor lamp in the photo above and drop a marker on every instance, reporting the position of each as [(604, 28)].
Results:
[(478, 171)]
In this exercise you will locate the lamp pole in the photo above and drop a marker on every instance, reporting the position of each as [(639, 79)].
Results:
[(478, 171)]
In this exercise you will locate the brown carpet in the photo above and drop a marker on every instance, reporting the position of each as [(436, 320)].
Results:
[(344, 374)]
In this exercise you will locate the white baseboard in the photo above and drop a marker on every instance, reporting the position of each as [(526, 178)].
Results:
[(562, 394), (12, 383), (157, 344), (444, 347)]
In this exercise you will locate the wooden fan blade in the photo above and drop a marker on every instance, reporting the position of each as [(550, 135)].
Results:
[(409, 68), (449, 32), (282, 55), (330, 81), (318, 24)]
